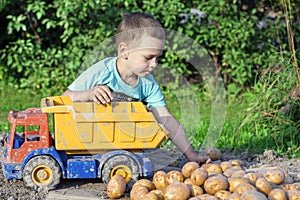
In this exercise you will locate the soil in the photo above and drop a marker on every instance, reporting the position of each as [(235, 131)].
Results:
[(163, 159)]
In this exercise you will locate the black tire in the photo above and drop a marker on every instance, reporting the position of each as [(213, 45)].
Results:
[(123, 165), (42, 172)]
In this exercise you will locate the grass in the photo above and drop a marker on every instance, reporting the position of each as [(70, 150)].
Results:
[(229, 138), (14, 99), (244, 129)]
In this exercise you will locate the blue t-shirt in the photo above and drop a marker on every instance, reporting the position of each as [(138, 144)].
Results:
[(105, 72)]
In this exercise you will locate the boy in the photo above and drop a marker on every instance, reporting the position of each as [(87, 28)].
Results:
[(140, 42)]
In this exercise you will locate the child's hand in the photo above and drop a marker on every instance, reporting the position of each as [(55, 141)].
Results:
[(196, 157), (101, 94), (205, 159)]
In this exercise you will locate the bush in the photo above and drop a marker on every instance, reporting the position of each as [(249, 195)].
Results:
[(45, 42)]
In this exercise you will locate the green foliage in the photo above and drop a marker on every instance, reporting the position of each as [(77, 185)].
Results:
[(46, 42), (236, 41), (274, 114)]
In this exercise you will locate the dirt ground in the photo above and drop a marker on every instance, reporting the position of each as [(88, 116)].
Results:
[(163, 159)]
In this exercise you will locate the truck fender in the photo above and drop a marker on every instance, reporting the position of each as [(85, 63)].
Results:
[(45, 151), (106, 156)]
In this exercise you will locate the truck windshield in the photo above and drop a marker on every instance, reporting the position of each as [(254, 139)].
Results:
[(25, 133)]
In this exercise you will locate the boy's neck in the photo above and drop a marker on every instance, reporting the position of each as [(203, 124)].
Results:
[(130, 79), (127, 76)]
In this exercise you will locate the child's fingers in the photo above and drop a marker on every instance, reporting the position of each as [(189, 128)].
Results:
[(99, 99), (208, 160), (107, 92), (102, 94), (205, 159)]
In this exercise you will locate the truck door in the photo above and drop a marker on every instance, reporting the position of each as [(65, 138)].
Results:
[(25, 139)]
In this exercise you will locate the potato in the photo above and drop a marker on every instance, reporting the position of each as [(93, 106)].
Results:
[(205, 165), (116, 187), (234, 196), (235, 162), (274, 176), (194, 198), (237, 167), (253, 195), (214, 153), (159, 194), (252, 177), (226, 165), (202, 170), (195, 190), (147, 183), (277, 194), (288, 187), (177, 191), (160, 180), (238, 173), (189, 168), (198, 177), (235, 181), (293, 194), (241, 188), (214, 169), (137, 192), (207, 197), (221, 176), (215, 183), (188, 181), (229, 172), (222, 194), (150, 196), (263, 185), (174, 176)]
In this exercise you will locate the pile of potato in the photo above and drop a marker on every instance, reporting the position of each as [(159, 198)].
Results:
[(223, 180)]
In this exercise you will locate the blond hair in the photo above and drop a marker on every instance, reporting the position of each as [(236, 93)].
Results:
[(136, 25)]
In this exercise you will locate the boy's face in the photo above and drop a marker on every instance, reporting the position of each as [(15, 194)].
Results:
[(143, 58)]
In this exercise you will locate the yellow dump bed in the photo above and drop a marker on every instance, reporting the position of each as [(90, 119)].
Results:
[(87, 126)]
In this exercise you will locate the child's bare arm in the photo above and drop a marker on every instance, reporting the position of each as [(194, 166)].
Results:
[(177, 134), (99, 94)]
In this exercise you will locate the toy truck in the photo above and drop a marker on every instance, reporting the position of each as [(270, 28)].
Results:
[(88, 141)]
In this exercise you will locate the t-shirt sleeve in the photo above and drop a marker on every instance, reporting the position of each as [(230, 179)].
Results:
[(88, 78), (155, 98)]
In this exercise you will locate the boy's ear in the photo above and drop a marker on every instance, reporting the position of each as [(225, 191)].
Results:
[(123, 50)]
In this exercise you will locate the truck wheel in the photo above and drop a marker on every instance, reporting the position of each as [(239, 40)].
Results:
[(42, 172), (122, 165)]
